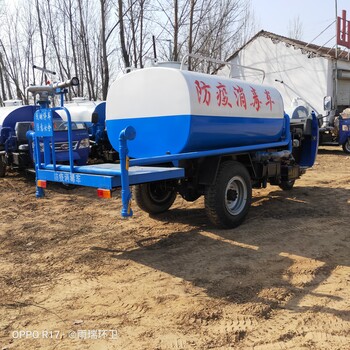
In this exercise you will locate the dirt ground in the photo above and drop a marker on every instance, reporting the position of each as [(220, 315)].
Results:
[(76, 276)]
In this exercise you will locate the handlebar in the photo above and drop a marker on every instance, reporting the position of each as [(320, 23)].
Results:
[(64, 84), (44, 70), (51, 89)]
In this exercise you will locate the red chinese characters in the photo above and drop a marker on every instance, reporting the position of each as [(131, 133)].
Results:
[(221, 96), (269, 102), (203, 92), (242, 97), (241, 100), (343, 31), (256, 102)]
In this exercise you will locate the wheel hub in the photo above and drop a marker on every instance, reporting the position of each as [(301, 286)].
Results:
[(236, 194), (231, 195), (159, 193)]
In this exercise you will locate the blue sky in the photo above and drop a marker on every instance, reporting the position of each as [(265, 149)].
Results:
[(315, 15)]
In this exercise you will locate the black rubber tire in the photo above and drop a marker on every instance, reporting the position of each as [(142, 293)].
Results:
[(2, 167), (154, 197), (346, 146), (216, 195), (66, 186), (287, 185)]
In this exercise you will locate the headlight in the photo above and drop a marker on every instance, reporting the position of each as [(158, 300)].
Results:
[(84, 143)]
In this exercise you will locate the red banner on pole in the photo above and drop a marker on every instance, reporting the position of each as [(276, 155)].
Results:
[(343, 31)]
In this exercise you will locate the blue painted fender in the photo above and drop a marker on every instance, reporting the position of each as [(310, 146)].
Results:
[(310, 145), (344, 130)]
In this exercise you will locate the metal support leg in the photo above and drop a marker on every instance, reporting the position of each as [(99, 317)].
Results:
[(128, 133), (39, 193)]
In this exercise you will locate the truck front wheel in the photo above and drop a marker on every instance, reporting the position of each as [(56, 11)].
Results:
[(155, 197), (346, 146), (228, 199)]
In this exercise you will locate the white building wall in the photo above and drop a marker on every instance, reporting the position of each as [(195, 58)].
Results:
[(309, 78)]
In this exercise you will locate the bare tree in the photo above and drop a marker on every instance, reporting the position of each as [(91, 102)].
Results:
[(94, 40), (135, 34), (85, 21), (216, 29), (172, 20), (295, 28), (39, 12), (125, 53), (104, 57), (12, 58), (191, 25), (69, 15), (3, 96), (249, 25)]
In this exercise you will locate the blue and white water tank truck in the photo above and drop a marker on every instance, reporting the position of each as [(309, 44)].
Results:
[(194, 134)]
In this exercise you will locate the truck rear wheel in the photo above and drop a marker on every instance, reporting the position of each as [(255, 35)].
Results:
[(155, 197), (346, 147), (228, 199), (2, 166)]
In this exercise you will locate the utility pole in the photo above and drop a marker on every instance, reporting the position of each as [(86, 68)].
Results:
[(336, 57)]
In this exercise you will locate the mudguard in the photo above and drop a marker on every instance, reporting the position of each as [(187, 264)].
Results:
[(310, 145)]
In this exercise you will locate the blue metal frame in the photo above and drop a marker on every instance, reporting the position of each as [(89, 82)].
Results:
[(49, 152), (127, 134), (130, 172), (136, 175)]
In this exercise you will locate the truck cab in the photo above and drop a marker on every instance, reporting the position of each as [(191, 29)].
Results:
[(335, 130)]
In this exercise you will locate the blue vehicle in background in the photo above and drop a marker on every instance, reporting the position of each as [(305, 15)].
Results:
[(93, 115), (337, 132), (17, 125)]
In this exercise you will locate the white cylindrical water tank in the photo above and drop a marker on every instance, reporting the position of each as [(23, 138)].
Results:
[(176, 111)]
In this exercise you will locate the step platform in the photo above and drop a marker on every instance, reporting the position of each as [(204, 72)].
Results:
[(107, 175)]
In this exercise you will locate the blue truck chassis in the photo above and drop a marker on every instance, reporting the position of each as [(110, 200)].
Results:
[(176, 169)]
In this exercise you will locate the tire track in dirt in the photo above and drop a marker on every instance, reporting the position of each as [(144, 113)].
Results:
[(285, 329), (279, 281), (245, 325)]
